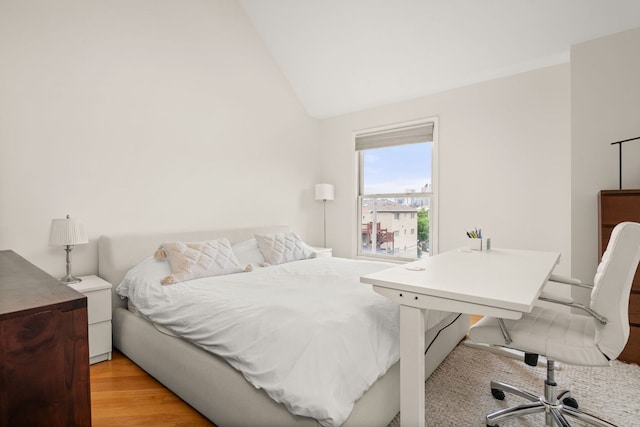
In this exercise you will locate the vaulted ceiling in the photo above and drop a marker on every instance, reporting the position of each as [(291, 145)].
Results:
[(342, 56)]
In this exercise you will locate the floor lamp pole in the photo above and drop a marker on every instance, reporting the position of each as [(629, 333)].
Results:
[(324, 192), (324, 205)]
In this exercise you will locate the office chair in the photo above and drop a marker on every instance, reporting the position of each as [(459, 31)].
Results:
[(590, 335)]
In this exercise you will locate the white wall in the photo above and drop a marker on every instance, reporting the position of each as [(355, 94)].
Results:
[(145, 115), (504, 156), (605, 107)]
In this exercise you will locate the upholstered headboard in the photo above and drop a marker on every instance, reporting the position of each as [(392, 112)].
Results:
[(117, 254)]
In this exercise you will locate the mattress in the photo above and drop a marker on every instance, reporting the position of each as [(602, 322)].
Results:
[(339, 335)]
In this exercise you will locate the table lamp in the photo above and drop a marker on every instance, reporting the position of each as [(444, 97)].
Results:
[(67, 232), (324, 192)]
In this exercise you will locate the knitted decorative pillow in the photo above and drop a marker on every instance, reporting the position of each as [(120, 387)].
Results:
[(192, 260), (279, 248)]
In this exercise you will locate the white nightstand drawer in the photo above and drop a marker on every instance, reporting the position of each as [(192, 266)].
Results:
[(99, 305), (98, 293), (100, 339)]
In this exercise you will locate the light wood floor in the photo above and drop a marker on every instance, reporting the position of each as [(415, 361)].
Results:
[(124, 395)]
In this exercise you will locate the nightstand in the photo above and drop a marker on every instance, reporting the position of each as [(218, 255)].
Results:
[(324, 252), (98, 293)]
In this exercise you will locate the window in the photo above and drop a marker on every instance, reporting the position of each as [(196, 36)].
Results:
[(396, 190)]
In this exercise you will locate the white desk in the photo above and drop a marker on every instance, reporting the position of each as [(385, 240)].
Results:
[(500, 283)]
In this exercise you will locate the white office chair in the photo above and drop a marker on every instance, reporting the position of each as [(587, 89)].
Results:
[(593, 337)]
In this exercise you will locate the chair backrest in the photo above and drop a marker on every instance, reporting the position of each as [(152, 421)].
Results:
[(612, 286)]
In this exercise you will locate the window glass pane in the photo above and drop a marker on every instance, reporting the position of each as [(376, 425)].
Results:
[(400, 169), (384, 230)]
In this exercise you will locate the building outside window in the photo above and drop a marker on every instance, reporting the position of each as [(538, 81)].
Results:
[(396, 190)]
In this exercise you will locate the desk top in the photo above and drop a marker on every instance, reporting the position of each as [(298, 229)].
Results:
[(24, 289), (503, 278)]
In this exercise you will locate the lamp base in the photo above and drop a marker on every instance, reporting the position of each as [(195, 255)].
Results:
[(68, 279)]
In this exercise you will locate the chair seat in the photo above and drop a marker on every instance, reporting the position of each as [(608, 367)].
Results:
[(564, 337)]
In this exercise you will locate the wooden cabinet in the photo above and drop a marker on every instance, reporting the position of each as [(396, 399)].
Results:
[(614, 207), (44, 348)]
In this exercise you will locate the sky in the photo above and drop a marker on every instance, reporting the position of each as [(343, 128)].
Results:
[(397, 169)]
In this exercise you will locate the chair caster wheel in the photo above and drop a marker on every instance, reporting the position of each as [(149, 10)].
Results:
[(497, 394), (570, 401)]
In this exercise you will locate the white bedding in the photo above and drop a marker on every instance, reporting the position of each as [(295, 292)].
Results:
[(307, 332)]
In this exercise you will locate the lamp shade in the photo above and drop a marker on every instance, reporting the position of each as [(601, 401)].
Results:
[(66, 231), (324, 191)]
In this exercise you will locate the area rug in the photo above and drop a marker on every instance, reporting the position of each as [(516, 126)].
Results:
[(458, 391)]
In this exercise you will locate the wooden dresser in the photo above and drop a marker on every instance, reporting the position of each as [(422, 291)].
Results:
[(44, 348), (614, 207)]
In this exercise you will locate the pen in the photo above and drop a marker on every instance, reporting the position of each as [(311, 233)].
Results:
[(476, 233)]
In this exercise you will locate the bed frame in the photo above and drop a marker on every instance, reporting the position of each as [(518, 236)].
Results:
[(209, 383)]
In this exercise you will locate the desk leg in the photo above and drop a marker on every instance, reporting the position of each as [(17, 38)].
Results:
[(411, 366)]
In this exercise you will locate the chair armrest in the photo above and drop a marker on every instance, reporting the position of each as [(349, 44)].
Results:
[(570, 303), (569, 281)]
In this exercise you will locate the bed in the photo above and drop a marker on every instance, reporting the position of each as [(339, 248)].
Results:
[(208, 382)]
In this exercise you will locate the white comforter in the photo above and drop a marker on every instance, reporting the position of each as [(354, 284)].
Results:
[(307, 332)]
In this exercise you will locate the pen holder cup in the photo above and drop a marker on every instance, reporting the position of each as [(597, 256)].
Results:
[(480, 244)]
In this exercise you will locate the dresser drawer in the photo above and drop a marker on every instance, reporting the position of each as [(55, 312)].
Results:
[(99, 305), (635, 285), (631, 352), (634, 309), (618, 206)]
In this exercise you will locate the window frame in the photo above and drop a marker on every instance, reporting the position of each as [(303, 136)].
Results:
[(432, 195)]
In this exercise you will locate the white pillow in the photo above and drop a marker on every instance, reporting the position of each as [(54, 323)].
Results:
[(248, 253), (279, 248), (148, 272), (192, 260)]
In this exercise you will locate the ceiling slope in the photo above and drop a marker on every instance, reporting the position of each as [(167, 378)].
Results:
[(342, 56)]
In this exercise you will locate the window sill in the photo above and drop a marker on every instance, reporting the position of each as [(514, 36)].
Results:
[(383, 259)]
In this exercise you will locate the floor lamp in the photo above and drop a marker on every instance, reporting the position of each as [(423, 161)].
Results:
[(324, 192)]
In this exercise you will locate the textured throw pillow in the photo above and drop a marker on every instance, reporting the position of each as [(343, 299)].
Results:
[(279, 248), (192, 260)]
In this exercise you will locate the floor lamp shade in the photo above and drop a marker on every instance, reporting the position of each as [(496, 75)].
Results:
[(67, 232), (324, 191)]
